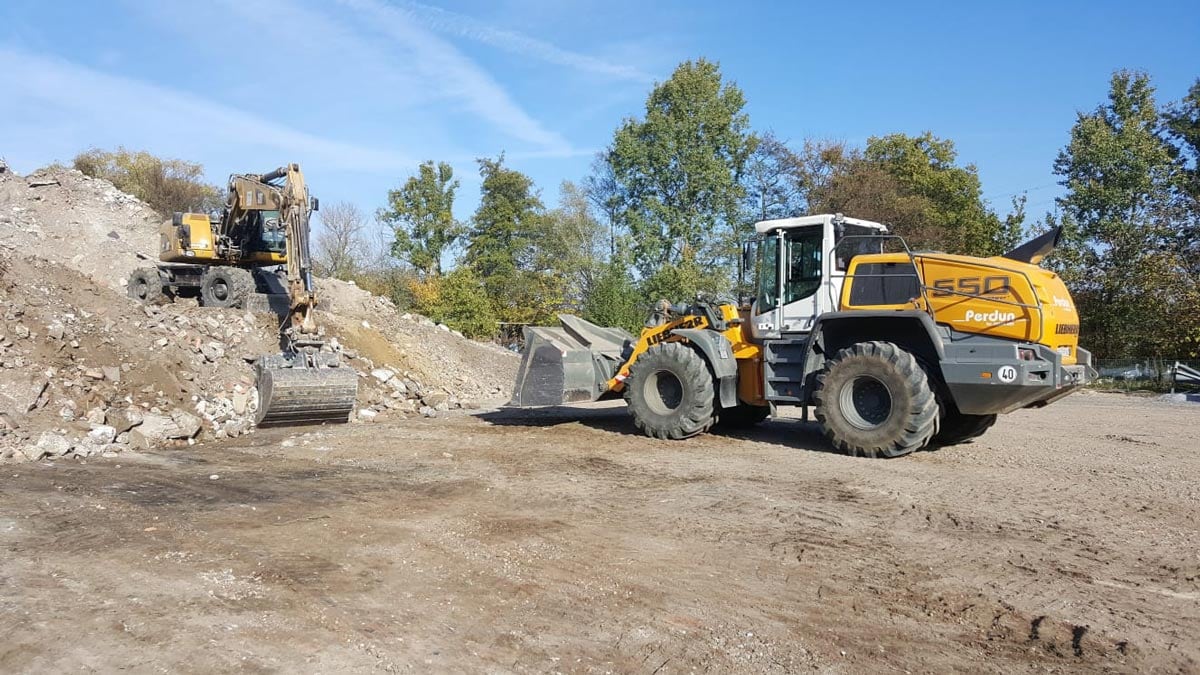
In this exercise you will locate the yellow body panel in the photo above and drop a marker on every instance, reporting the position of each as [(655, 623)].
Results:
[(995, 296), (201, 247)]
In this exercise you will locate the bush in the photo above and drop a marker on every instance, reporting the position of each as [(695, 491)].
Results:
[(167, 185)]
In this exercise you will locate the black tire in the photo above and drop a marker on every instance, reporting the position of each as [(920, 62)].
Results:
[(226, 287), (742, 416), (874, 400), (670, 392), (146, 286), (959, 427)]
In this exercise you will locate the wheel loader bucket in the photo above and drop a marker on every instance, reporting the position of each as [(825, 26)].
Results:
[(569, 364), (304, 389)]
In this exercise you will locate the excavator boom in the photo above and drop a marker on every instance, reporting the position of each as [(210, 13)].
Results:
[(306, 383)]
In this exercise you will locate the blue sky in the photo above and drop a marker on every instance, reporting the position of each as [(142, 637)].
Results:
[(360, 91)]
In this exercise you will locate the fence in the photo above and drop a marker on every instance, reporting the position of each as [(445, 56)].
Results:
[(1149, 374)]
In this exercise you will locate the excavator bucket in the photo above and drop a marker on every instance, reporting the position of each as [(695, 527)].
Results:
[(569, 364), (304, 389)]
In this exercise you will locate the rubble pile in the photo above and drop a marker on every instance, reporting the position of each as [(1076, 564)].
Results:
[(85, 371)]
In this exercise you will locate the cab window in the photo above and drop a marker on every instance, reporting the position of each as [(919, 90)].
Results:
[(803, 264), (767, 273)]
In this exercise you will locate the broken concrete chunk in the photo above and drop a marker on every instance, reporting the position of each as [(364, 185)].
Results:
[(123, 419)]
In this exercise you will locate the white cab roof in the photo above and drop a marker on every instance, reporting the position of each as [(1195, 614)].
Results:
[(808, 221)]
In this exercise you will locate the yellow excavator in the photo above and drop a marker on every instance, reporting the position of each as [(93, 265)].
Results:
[(264, 224), (894, 351)]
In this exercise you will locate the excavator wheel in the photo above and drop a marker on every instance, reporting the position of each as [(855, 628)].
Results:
[(670, 392), (874, 400), (146, 286), (958, 427), (742, 416), (226, 286), (295, 391)]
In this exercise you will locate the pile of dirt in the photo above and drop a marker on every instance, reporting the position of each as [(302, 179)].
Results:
[(86, 371)]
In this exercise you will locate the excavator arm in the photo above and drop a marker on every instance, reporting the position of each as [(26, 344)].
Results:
[(306, 383)]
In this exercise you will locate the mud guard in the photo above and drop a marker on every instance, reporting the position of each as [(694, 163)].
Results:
[(718, 351)]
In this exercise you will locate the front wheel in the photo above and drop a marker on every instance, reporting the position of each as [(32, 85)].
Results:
[(670, 392), (226, 286), (874, 400)]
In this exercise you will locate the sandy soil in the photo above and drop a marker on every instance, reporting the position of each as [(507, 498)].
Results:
[(1064, 540)]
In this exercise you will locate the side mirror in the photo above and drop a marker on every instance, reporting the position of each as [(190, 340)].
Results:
[(314, 204), (748, 254)]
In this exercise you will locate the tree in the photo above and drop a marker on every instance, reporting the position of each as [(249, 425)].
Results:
[(167, 185), (576, 243), (1127, 207), (459, 301), (914, 184), (678, 172), (421, 214), (614, 300), (340, 246), (774, 181), (505, 246)]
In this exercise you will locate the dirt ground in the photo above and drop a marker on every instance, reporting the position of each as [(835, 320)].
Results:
[(1063, 540)]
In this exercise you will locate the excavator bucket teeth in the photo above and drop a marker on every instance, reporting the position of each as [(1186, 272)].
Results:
[(569, 364), (294, 392)]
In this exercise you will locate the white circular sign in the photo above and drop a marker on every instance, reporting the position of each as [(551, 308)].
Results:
[(1007, 374)]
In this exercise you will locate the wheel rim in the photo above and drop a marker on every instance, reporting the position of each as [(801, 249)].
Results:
[(140, 289), (866, 402), (664, 392), (220, 289)]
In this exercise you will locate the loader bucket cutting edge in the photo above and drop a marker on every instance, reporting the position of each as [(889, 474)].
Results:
[(571, 364), (294, 394)]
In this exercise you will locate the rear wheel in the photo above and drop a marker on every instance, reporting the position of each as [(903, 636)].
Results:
[(225, 286), (874, 400), (145, 285), (670, 392), (958, 427)]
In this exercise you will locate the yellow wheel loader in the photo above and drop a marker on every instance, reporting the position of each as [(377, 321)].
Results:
[(265, 224), (894, 351)]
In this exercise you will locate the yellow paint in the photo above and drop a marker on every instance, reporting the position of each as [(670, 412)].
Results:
[(201, 246), (995, 296)]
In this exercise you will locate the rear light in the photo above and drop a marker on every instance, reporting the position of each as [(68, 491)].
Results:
[(1027, 354)]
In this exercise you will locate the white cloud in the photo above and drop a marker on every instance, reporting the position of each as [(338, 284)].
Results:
[(98, 107), (445, 67), (464, 26)]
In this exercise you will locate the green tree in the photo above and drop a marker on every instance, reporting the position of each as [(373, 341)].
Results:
[(1125, 201), (505, 247), (576, 244), (678, 172), (773, 181), (167, 185), (614, 300), (914, 184), (462, 304), (421, 214)]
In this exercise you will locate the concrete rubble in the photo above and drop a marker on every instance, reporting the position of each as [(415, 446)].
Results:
[(86, 372)]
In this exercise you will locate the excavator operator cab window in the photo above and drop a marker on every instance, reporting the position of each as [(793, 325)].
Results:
[(271, 237)]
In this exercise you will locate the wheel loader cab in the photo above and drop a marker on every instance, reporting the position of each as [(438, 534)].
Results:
[(800, 269)]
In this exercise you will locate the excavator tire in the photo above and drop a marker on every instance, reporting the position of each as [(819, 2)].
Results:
[(958, 427), (742, 416), (146, 286), (670, 392), (874, 400), (226, 286)]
